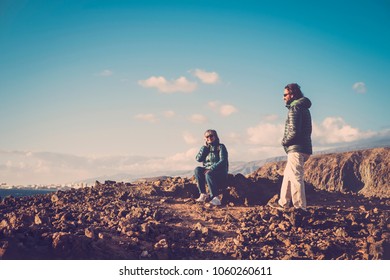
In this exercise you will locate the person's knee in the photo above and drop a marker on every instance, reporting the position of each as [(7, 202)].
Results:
[(210, 174), (198, 170)]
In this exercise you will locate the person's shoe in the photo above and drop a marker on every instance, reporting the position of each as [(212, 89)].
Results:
[(215, 201), (275, 205), (202, 198)]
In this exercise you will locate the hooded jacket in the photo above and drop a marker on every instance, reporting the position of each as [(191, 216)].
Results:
[(214, 157), (298, 128)]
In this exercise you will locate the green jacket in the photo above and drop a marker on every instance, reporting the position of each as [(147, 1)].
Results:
[(214, 157), (297, 130)]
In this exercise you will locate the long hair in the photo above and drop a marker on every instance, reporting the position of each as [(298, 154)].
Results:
[(295, 90), (213, 132)]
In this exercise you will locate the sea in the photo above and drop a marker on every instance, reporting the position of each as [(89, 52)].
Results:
[(23, 192)]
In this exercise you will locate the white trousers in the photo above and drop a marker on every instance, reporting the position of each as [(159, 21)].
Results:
[(293, 186)]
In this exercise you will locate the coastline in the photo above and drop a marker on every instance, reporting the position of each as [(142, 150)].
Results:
[(16, 192)]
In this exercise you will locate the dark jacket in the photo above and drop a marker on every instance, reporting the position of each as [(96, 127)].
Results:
[(214, 157), (297, 130)]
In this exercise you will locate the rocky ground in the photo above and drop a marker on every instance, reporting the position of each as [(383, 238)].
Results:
[(159, 219)]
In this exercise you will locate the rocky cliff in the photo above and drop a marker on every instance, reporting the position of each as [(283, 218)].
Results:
[(159, 218), (366, 172)]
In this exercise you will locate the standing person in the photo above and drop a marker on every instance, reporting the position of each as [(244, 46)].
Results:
[(297, 144), (214, 171)]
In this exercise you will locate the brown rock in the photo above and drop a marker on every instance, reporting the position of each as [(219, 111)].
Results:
[(2, 252), (376, 250), (90, 233), (3, 225), (366, 172), (54, 198), (340, 232), (37, 220), (287, 242), (145, 228), (161, 244)]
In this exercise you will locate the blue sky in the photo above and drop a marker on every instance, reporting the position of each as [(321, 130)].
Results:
[(99, 79)]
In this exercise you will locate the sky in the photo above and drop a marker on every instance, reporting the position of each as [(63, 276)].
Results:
[(91, 88)]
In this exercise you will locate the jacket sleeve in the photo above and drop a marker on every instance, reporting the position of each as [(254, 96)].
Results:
[(202, 154), (293, 126), (223, 158)]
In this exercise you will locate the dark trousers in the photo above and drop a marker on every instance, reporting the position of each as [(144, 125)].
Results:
[(213, 178)]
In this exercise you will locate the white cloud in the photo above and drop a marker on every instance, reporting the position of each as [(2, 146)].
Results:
[(359, 87), (180, 161), (147, 117), (51, 168), (41, 168), (163, 85), (106, 73), (223, 109), (189, 138), (227, 110), (198, 118), (213, 104), (206, 77), (266, 134), (335, 130), (169, 114), (271, 118), (188, 156), (234, 138)]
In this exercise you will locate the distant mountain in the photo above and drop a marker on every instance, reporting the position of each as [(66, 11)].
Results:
[(120, 177), (380, 142), (236, 167), (246, 168), (126, 177)]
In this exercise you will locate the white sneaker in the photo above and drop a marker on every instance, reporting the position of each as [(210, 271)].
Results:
[(202, 197), (215, 201)]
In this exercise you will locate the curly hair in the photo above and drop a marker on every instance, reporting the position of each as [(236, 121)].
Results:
[(295, 90)]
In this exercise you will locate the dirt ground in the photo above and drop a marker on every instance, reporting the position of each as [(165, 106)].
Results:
[(159, 219)]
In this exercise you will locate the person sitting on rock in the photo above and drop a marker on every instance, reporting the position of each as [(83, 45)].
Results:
[(214, 171)]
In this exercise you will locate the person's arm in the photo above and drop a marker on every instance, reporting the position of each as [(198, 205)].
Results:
[(202, 154)]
